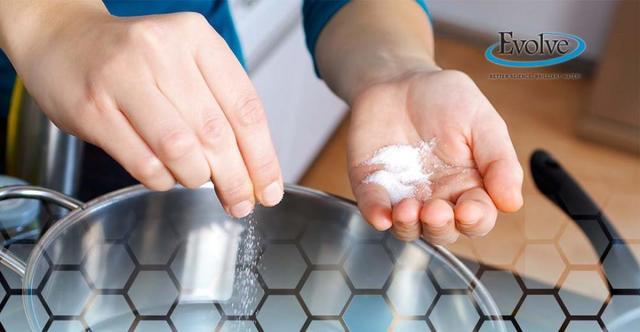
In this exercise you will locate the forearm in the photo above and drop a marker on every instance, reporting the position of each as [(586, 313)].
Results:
[(371, 41), (22, 22)]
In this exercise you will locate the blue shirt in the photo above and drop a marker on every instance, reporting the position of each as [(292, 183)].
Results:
[(216, 11), (316, 14)]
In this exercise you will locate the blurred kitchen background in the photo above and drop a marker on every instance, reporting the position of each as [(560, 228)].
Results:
[(590, 124), (303, 114)]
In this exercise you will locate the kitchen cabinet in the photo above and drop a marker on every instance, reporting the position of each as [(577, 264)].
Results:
[(612, 115), (301, 110)]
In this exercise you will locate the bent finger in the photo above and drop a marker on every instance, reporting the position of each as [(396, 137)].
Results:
[(161, 126), (242, 106), (438, 223), (119, 140), (475, 213), (203, 114), (406, 221)]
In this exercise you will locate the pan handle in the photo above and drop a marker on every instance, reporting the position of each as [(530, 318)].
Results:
[(7, 258), (48, 195)]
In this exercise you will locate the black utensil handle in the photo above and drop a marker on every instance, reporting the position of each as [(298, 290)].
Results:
[(559, 187)]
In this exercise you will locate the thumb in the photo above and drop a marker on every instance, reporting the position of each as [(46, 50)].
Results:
[(497, 161)]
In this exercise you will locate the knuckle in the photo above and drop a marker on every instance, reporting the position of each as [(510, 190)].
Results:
[(93, 102), (198, 175), (268, 167), (440, 231), (145, 32), (405, 224), (147, 170), (249, 111), (176, 145), (404, 236), (235, 188), (214, 130), (192, 19), (433, 226)]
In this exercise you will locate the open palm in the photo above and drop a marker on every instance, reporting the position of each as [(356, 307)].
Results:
[(483, 176)]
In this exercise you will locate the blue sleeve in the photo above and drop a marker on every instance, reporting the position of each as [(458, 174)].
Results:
[(317, 13)]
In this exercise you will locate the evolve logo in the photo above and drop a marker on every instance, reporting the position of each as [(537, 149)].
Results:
[(547, 49)]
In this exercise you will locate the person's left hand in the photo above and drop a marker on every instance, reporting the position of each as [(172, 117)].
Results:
[(471, 137)]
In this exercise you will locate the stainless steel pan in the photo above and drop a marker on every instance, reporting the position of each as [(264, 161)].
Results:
[(137, 259)]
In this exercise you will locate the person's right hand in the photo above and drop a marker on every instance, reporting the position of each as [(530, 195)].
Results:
[(163, 95)]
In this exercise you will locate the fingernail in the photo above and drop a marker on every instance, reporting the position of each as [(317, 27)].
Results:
[(272, 194), (241, 209), (384, 225)]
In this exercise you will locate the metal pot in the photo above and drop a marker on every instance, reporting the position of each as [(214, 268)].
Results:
[(38, 151), (137, 259)]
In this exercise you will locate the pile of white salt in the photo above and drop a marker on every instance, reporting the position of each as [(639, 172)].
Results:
[(405, 170)]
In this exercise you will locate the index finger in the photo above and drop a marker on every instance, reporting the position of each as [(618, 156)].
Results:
[(235, 93)]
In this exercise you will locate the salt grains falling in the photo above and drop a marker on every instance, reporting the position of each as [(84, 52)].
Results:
[(246, 291), (405, 170)]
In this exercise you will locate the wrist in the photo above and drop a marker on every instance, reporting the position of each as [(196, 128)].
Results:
[(381, 68), (26, 24)]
